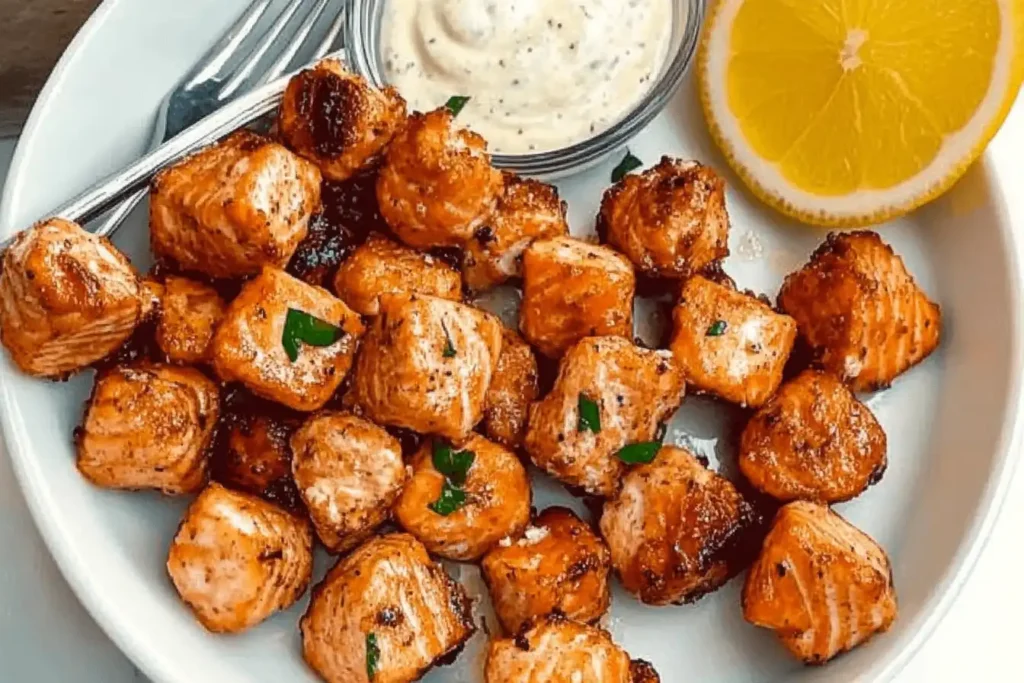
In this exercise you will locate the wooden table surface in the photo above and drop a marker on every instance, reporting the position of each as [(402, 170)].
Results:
[(33, 34)]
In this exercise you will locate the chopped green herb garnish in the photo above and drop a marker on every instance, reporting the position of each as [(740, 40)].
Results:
[(449, 347), (456, 103), (590, 415), (628, 163), (308, 329), (372, 655), (451, 499), (451, 463), (716, 329), (639, 453)]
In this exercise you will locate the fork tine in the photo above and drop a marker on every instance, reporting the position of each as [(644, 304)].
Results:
[(249, 64), (332, 33), (218, 55), (297, 41)]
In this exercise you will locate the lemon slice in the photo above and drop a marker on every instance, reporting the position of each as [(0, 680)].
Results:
[(852, 112)]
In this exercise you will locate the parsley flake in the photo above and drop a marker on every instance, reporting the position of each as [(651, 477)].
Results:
[(639, 453), (456, 103), (628, 163), (454, 465), (590, 415), (716, 329), (372, 655), (451, 499), (308, 329), (449, 347)]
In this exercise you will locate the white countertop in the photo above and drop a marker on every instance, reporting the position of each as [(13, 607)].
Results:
[(47, 637)]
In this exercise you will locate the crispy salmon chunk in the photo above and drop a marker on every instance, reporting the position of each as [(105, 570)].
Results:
[(336, 119), (274, 318), (385, 613), (67, 299), (238, 559), (381, 266), (609, 395), (571, 290), (730, 344), (813, 441), (670, 220), (558, 650), (426, 365), (252, 453), (861, 311), (672, 528), (189, 313), (147, 426), (557, 565), (513, 388), (820, 583), (436, 186), (233, 208), (527, 210), (349, 473), (460, 501)]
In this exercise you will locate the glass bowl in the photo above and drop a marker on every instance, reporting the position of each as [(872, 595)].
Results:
[(362, 47)]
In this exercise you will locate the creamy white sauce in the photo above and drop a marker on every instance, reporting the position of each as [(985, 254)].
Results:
[(541, 74)]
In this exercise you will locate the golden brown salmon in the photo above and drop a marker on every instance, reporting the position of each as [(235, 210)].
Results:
[(385, 609), (189, 313), (381, 266), (494, 498), (336, 119), (513, 388), (861, 311), (237, 559), (558, 564), (67, 299), (437, 185), (822, 584), (349, 472), (669, 220), (813, 440), (557, 650), (233, 208), (148, 426)]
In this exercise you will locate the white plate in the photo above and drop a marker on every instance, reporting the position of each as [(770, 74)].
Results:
[(952, 422)]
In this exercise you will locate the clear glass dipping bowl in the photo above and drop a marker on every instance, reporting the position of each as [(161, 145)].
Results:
[(362, 47)]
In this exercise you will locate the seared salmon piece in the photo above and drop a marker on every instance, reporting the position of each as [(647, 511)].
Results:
[(336, 119), (571, 290), (558, 564), (426, 365), (861, 311), (67, 299), (609, 394), (672, 527), (513, 388), (558, 650), (813, 440), (460, 501), (380, 266), (670, 220), (230, 209), (190, 312), (729, 343), (385, 613), (238, 559), (147, 426), (252, 453), (349, 473), (437, 185), (820, 583), (527, 210), (250, 344)]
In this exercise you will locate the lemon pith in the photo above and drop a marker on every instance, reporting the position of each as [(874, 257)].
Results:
[(852, 112)]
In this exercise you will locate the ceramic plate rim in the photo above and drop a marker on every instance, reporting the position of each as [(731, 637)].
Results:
[(140, 648)]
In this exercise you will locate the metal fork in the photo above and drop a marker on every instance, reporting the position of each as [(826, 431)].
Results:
[(211, 83)]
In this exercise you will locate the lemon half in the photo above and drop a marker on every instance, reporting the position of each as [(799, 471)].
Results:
[(853, 112)]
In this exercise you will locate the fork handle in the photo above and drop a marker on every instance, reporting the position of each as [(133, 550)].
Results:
[(236, 114), (120, 212)]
